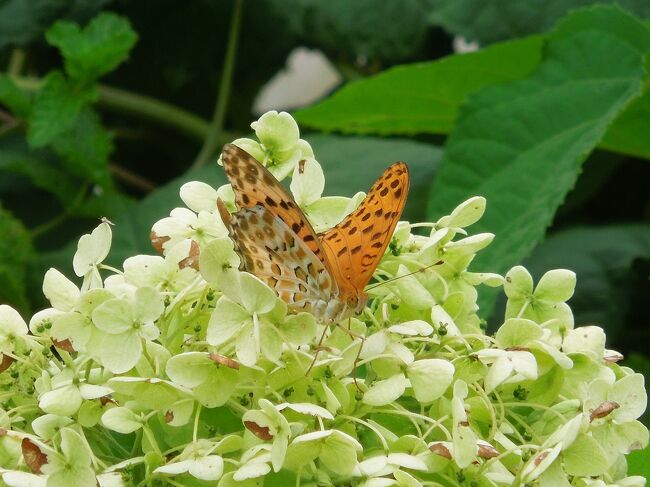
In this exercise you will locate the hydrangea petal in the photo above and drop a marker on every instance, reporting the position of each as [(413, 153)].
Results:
[(629, 393), (519, 283), (430, 378), (226, 320), (114, 316), (64, 401), (92, 249), (557, 285), (120, 353), (59, 290), (308, 182), (385, 391), (11, 323), (278, 132), (199, 196), (122, 420), (517, 332), (465, 214), (207, 468)]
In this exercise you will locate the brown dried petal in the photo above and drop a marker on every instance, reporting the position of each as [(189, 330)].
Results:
[(262, 432), (157, 242), (603, 410), (540, 458), (169, 416), (104, 400), (65, 345), (34, 457), (487, 451), (6, 362), (191, 260), (440, 449)]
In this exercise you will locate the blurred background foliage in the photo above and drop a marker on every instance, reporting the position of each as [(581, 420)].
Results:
[(106, 107)]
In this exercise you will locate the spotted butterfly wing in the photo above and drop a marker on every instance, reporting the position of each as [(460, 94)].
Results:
[(273, 237), (270, 250), (324, 274), (358, 243), (254, 185)]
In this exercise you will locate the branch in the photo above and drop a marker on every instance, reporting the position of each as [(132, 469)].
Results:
[(141, 106), (215, 132)]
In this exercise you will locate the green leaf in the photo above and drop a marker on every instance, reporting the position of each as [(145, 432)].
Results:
[(424, 97), (609, 283), (84, 148), (96, 49), (521, 144), (492, 20), (56, 108), (15, 252), (14, 98)]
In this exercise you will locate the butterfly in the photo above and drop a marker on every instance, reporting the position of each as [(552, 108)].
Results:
[(324, 274)]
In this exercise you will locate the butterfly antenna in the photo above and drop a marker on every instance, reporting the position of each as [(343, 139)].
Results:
[(422, 269)]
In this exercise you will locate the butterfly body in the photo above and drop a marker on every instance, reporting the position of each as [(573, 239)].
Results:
[(322, 274)]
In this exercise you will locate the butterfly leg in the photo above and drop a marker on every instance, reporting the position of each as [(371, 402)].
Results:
[(318, 349), (362, 339)]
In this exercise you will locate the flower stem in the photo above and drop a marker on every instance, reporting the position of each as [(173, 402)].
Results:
[(215, 130), (16, 61), (142, 106)]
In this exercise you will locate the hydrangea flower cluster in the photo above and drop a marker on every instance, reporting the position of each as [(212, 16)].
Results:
[(181, 370)]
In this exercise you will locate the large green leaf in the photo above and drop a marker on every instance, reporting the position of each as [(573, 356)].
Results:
[(492, 20), (15, 252), (610, 282), (522, 144), (424, 97)]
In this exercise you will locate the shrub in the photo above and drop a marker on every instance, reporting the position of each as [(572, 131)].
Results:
[(181, 370)]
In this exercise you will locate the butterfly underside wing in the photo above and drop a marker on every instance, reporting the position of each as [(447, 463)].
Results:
[(326, 273)]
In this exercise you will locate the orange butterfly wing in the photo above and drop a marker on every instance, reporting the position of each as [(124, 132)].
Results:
[(254, 185), (356, 245)]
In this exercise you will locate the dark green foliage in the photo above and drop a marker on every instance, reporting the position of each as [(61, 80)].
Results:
[(493, 20), (15, 251)]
